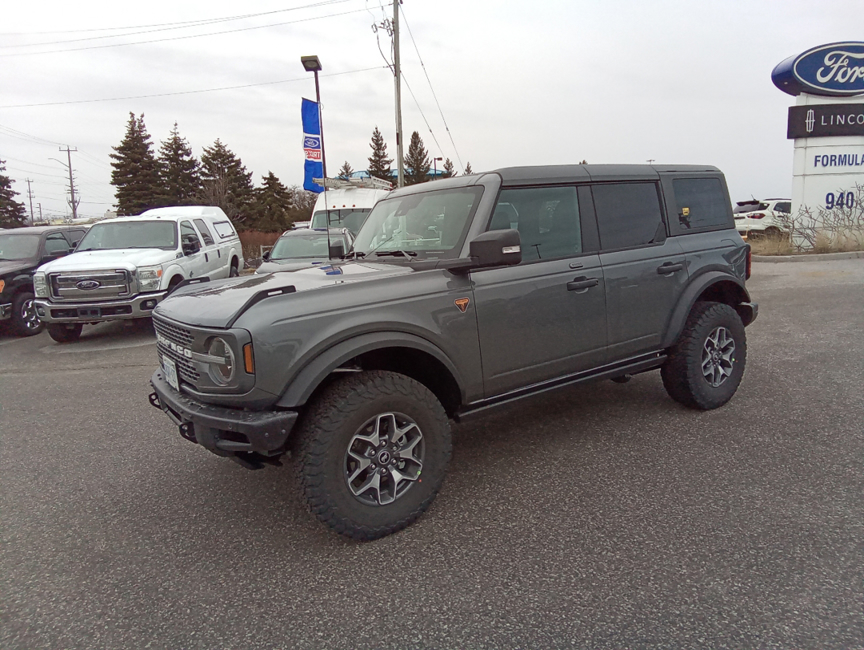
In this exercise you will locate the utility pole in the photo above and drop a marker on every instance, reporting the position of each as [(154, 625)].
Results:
[(40, 211), (71, 182), (30, 196), (397, 71)]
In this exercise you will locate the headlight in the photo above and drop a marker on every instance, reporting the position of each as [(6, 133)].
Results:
[(221, 370), (40, 285), (149, 278)]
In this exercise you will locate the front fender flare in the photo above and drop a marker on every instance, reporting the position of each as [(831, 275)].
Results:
[(688, 298), (304, 383)]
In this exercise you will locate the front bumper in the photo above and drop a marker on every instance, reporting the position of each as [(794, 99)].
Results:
[(224, 431), (6, 311), (141, 306)]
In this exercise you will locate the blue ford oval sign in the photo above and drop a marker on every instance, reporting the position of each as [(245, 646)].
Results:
[(835, 69)]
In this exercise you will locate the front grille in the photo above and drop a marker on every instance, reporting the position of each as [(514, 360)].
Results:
[(179, 336), (106, 285)]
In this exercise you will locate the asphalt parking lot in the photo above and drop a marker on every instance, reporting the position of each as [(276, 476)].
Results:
[(603, 516)]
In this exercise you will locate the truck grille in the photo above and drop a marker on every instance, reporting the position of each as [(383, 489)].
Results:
[(92, 286), (179, 336)]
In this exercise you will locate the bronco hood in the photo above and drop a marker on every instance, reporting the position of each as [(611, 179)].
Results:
[(220, 303)]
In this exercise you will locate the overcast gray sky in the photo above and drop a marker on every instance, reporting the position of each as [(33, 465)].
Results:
[(519, 83)]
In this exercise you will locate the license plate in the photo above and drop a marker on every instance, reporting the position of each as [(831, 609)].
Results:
[(170, 370)]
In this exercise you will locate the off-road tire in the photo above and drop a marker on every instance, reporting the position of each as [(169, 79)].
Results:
[(23, 315), (65, 333), (325, 433), (682, 373)]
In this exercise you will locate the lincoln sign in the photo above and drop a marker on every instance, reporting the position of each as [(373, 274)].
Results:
[(816, 121), (836, 69)]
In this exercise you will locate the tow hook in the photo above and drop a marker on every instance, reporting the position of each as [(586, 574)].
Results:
[(154, 400), (187, 430)]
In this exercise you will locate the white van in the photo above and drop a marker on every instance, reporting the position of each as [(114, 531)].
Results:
[(348, 202)]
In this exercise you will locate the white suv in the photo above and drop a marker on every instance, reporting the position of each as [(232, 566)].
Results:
[(764, 217), (123, 267)]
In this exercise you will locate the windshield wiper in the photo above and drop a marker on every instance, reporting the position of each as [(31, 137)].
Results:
[(354, 255), (397, 253)]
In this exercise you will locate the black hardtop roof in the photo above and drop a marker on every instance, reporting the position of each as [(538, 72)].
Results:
[(38, 230), (565, 173)]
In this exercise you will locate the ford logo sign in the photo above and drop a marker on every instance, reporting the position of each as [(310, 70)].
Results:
[(88, 285), (835, 69)]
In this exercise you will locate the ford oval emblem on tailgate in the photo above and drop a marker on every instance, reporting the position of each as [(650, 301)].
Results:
[(88, 285)]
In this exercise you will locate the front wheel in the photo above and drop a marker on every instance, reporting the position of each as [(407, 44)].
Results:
[(25, 320), (65, 332), (374, 449), (706, 364)]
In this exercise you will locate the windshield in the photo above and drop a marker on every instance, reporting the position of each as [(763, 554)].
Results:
[(18, 247), (351, 219), (431, 224), (130, 234), (303, 246)]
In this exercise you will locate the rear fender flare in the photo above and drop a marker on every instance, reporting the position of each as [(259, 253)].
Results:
[(689, 297), (304, 383)]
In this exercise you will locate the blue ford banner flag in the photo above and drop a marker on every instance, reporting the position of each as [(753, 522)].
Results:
[(314, 166)]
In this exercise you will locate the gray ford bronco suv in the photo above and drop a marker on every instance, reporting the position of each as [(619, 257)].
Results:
[(458, 295)]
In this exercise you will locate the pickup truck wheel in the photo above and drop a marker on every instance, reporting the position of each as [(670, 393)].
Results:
[(65, 333), (25, 321), (234, 272), (706, 364), (363, 445)]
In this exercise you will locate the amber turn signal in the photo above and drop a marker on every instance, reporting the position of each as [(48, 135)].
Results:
[(248, 359)]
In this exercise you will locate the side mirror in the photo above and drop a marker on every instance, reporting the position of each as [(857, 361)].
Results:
[(337, 250), (496, 248), (191, 246), (266, 256)]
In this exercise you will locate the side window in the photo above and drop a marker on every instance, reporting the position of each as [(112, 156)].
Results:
[(224, 229), (205, 232), (56, 243), (188, 234), (547, 219), (701, 204), (628, 215), (75, 236), (783, 206)]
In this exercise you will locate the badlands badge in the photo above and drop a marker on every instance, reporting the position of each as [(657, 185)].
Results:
[(462, 303)]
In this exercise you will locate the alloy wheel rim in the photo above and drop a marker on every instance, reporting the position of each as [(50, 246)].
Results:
[(29, 317), (718, 357), (384, 459)]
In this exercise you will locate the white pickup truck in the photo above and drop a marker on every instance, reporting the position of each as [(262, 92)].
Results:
[(123, 267)]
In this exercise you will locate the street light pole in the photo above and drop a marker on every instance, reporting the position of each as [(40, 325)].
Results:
[(397, 71), (435, 168), (313, 64)]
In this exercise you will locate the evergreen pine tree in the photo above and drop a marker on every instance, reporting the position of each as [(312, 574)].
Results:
[(12, 212), (417, 164), (179, 170), (468, 170), (136, 171), (225, 181), (379, 163), (272, 205), (449, 169), (346, 171), (302, 204)]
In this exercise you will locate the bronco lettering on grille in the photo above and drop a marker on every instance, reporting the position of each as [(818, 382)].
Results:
[(179, 349)]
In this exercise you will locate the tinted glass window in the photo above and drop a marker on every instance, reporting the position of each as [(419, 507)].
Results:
[(205, 233), (785, 206), (56, 243), (75, 235), (628, 214), (547, 219), (701, 203), (187, 233), (351, 219)]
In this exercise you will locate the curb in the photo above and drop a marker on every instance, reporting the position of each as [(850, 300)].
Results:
[(805, 257)]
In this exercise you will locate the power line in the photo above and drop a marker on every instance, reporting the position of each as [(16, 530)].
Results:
[(407, 85), (187, 92), (173, 26), (180, 38), (423, 65)]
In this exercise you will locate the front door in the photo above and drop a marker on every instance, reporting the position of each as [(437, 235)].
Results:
[(546, 317)]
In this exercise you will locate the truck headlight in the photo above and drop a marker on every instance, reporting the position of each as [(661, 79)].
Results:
[(149, 278), (221, 370), (40, 285)]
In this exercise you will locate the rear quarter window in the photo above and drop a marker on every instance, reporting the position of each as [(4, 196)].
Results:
[(628, 214), (224, 229), (701, 204)]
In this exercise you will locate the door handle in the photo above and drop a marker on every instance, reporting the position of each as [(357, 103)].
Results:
[(668, 268), (582, 283)]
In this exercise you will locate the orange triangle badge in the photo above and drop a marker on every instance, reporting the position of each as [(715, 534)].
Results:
[(462, 303)]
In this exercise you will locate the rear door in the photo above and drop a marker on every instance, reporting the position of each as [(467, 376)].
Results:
[(645, 271), (213, 258), (546, 317)]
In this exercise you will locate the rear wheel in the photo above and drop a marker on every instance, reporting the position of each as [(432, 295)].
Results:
[(234, 272), (25, 320), (65, 332), (364, 444), (706, 364)]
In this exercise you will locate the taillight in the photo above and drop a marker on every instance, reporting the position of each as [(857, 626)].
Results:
[(749, 262), (758, 215)]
